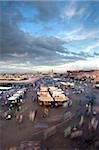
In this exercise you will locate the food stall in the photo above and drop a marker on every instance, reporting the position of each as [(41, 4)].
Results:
[(60, 99), (45, 99), (12, 102)]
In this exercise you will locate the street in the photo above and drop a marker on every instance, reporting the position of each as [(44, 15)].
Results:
[(14, 134)]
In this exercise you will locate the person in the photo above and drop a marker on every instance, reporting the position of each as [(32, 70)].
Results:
[(87, 107), (45, 112), (8, 117), (19, 118), (94, 113), (70, 103), (94, 123), (81, 120), (32, 115), (33, 98)]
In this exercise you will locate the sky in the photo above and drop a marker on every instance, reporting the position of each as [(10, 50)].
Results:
[(45, 35)]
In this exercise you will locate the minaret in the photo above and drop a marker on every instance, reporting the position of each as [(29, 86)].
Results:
[(52, 71)]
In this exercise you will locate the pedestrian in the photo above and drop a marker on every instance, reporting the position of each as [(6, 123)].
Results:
[(46, 111), (94, 113), (87, 107), (33, 99), (32, 115), (81, 120), (19, 118), (94, 123)]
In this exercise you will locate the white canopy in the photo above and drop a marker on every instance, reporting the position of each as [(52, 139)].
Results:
[(52, 88), (56, 93), (63, 83), (97, 85), (20, 92), (43, 89), (67, 83), (61, 98), (12, 98), (47, 98), (0, 92), (5, 88), (16, 95)]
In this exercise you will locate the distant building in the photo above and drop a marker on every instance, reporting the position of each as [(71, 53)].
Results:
[(83, 74)]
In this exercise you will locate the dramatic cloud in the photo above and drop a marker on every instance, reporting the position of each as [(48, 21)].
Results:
[(73, 10), (22, 46), (46, 10), (33, 35), (83, 36), (91, 47), (97, 54)]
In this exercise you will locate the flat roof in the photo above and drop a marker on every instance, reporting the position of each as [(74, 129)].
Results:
[(61, 98), (43, 89), (45, 98), (22, 81), (52, 88)]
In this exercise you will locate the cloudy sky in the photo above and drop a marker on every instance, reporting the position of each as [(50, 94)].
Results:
[(46, 35)]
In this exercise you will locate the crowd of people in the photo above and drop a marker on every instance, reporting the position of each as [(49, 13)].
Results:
[(9, 103)]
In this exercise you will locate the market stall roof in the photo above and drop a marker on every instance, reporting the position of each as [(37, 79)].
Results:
[(61, 98), (19, 92), (56, 93), (67, 83), (12, 98), (56, 79), (97, 85), (43, 89), (23, 89), (46, 98), (5, 88), (59, 90), (52, 88), (63, 83), (16, 95), (0, 92)]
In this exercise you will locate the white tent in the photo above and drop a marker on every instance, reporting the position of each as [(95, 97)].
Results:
[(43, 89), (52, 88), (12, 98), (5, 88), (0, 92), (56, 93), (16, 95), (68, 84)]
